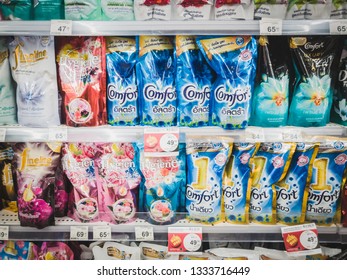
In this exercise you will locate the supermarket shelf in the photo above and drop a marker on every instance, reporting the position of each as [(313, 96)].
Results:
[(108, 28)]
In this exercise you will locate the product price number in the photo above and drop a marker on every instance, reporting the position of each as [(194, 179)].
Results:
[(61, 27), (79, 233), (270, 27), (295, 136), (2, 134), (102, 233), (144, 234), (4, 231), (338, 27), (58, 134), (255, 135)]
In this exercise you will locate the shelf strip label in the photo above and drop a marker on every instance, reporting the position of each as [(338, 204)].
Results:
[(270, 26), (102, 233), (79, 233), (144, 234), (61, 27), (338, 27), (4, 232)]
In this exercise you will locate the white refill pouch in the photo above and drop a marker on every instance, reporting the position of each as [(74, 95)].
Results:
[(151, 10), (319, 10), (116, 251), (225, 11), (277, 11), (338, 9), (155, 252), (232, 254), (193, 10)]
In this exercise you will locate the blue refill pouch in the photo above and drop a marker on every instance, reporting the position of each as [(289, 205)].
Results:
[(206, 161), (269, 165), (271, 94), (236, 183), (122, 94), (328, 177), (155, 70), (194, 79), (233, 58), (291, 192)]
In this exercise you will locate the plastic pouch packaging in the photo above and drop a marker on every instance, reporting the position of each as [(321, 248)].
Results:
[(292, 191), (48, 9), (84, 10), (155, 252), (269, 166), (122, 94), (18, 250), (328, 177), (8, 112), (152, 9), (271, 254), (193, 9), (235, 9), (61, 193), (315, 60), (236, 183), (338, 9), (234, 61), (270, 101), (16, 10), (34, 166), (194, 79), (55, 251), (327, 253), (308, 9), (270, 9), (119, 177), (206, 161), (116, 251), (33, 69), (8, 193), (163, 189), (155, 72), (202, 257), (82, 80), (117, 10), (232, 254)]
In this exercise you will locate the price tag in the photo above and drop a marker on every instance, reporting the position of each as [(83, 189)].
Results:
[(292, 136), (79, 233), (270, 26), (161, 141), (102, 233), (2, 134), (144, 234), (301, 240), (57, 134), (338, 27), (185, 240), (4, 232), (255, 134), (61, 27)]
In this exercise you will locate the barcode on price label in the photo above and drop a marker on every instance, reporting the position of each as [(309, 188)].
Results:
[(270, 27), (4, 233), (61, 27), (57, 134), (102, 233), (79, 233), (338, 27), (144, 234), (2, 134)]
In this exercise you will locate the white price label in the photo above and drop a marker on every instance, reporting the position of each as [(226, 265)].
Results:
[(338, 27), (4, 232), (57, 134), (102, 233), (292, 136), (144, 234), (2, 134), (270, 27), (255, 134), (61, 27), (169, 142), (79, 233)]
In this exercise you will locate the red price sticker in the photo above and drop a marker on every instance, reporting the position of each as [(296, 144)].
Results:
[(301, 240), (185, 240), (161, 141)]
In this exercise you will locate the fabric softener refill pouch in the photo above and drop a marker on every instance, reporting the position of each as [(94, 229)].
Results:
[(194, 79), (269, 165), (117, 10), (292, 191), (16, 10), (234, 60), (48, 9), (8, 193), (206, 161), (122, 94), (328, 177), (155, 72), (315, 62), (33, 68), (270, 100), (236, 183), (82, 10)]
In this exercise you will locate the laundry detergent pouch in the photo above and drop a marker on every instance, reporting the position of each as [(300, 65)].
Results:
[(192, 9), (8, 114), (61, 192), (338, 9), (82, 80), (234, 9), (206, 161), (269, 166), (33, 69), (48, 9), (193, 82), (328, 177), (291, 192), (122, 95), (117, 10), (119, 181), (18, 250), (308, 9), (236, 183), (270, 9), (83, 10), (152, 9), (155, 72), (8, 192), (163, 189), (55, 251), (339, 111), (34, 166), (234, 60), (315, 60), (16, 10), (270, 100)]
